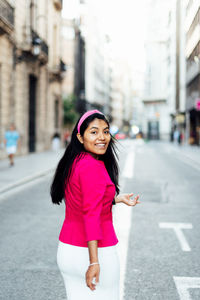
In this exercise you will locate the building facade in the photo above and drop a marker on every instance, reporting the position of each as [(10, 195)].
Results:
[(176, 69), (156, 120), (92, 73), (31, 72), (68, 55), (193, 71), (121, 100)]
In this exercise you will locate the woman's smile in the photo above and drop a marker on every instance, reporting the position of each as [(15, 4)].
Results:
[(101, 145)]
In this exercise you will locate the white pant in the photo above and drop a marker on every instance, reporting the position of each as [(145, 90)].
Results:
[(73, 263)]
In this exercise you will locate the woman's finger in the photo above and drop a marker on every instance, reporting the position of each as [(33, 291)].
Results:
[(92, 280), (134, 201), (97, 278), (90, 284)]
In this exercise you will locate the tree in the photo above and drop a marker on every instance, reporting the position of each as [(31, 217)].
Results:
[(70, 116)]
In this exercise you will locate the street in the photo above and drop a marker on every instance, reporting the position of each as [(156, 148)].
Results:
[(169, 189), (159, 238)]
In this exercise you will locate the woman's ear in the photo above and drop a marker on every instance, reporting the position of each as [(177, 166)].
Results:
[(79, 137)]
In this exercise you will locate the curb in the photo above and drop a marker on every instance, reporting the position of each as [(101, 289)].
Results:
[(25, 180)]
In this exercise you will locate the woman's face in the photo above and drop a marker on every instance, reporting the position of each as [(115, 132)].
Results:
[(96, 137)]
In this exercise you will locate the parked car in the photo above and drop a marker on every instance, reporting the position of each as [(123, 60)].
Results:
[(120, 136)]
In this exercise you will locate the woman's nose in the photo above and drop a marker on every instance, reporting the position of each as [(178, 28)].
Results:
[(101, 136)]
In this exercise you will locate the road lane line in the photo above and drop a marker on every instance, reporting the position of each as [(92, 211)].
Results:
[(177, 227), (185, 283), (128, 171), (122, 220)]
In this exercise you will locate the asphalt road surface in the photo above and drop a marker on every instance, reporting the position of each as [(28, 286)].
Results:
[(161, 245), (163, 260)]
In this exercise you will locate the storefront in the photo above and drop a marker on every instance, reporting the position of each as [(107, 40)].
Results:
[(194, 124), (178, 126)]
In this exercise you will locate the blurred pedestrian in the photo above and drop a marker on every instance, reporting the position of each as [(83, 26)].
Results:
[(180, 138), (176, 136), (67, 137), (11, 140), (56, 142), (87, 178)]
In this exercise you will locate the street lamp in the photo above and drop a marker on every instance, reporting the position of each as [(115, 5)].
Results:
[(36, 46)]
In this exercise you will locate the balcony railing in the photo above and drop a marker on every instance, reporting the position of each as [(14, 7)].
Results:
[(6, 16), (57, 71)]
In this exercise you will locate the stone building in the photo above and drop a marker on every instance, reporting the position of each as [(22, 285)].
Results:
[(6, 64), (157, 108), (176, 66), (92, 82), (31, 71), (121, 104), (192, 25), (68, 55)]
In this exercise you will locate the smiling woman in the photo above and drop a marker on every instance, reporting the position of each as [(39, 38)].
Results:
[(87, 179)]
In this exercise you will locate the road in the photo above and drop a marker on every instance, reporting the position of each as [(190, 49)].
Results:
[(170, 193), (159, 239)]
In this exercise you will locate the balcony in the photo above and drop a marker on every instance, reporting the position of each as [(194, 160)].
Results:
[(58, 4), (57, 72), (6, 17), (34, 50), (193, 70)]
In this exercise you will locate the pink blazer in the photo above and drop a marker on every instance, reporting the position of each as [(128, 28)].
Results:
[(88, 198)]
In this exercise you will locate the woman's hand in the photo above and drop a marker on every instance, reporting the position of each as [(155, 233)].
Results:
[(91, 274), (126, 199)]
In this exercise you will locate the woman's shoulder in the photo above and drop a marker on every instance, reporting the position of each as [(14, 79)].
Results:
[(87, 161), (90, 169)]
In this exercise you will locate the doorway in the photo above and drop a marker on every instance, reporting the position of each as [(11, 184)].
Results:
[(153, 130), (32, 112)]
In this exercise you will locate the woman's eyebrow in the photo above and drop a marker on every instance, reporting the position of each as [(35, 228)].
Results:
[(98, 128), (94, 127)]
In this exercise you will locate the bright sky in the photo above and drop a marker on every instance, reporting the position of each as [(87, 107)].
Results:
[(124, 20)]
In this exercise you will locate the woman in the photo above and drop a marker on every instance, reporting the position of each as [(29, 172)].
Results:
[(11, 141), (87, 178)]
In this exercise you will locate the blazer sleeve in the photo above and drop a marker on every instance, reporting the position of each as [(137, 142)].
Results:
[(93, 185)]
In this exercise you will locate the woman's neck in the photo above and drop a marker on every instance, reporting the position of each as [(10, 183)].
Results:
[(94, 155)]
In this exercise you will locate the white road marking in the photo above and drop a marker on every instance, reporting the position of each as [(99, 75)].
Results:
[(185, 283), (122, 220), (177, 227), (128, 171)]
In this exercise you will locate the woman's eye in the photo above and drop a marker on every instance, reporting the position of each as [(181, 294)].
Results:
[(107, 132), (93, 132)]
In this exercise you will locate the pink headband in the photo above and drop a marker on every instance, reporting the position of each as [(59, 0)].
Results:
[(85, 116)]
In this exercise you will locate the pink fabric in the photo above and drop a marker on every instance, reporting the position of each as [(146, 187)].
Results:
[(89, 196), (85, 116)]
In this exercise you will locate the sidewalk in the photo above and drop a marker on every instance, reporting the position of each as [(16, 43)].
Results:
[(27, 168)]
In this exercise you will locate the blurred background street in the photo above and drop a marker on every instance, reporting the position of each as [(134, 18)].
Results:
[(167, 179), (139, 63)]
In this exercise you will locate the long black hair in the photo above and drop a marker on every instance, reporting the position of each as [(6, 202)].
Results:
[(76, 149)]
